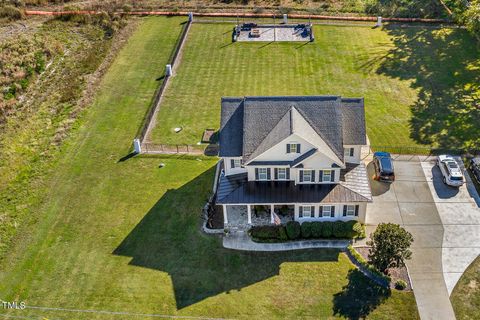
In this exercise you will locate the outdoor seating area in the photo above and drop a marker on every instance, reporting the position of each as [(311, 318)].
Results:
[(273, 32)]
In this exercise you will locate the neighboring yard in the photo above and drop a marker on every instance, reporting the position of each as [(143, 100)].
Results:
[(419, 83), (121, 234), (466, 294)]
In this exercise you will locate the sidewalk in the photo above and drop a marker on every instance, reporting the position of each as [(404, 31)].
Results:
[(241, 241)]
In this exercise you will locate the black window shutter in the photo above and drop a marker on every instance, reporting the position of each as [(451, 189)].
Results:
[(288, 173), (300, 212), (298, 148), (351, 152), (269, 177), (332, 176), (356, 210), (313, 175), (345, 210), (320, 176), (232, 163), (275, 173), (312, 210), (320, 211), (288, 147), (301, 175), (332, 213), (256, 173)]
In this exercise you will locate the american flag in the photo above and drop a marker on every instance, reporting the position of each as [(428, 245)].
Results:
[(276, 219)]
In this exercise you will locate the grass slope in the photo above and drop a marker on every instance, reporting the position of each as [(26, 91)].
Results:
[(394, 69), (122, 234), (466, 294)]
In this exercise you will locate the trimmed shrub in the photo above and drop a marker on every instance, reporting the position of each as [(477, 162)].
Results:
[(293, 230), (359, 230), (400, 285), (339, 229), (327, 229), (282, 233), (265, 232), (306, 230), (317, 228)]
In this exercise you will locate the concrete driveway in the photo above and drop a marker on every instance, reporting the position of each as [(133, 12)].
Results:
[(444, 222)]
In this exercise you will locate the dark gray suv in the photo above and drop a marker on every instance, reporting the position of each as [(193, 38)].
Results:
[(474, 167)]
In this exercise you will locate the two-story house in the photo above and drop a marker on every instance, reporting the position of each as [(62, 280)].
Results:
[(295, 156)]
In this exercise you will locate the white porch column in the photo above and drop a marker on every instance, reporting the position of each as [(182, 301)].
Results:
[(225, 219), (249, 213), (272, 208), (295, 215)]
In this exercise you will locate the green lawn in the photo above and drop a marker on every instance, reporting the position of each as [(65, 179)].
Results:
[(466, 294), (121, 234), (418, 83)]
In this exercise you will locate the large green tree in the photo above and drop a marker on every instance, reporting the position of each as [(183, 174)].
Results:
[(389, 246)]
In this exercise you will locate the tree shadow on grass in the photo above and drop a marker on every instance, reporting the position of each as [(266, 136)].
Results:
[(169, 239), (444, 66), (359, 297)]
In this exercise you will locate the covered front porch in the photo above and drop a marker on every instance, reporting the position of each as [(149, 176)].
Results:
[(257, 214)]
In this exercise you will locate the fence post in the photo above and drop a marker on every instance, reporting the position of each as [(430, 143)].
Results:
[(379, 22), (168, 70), (137, 146)]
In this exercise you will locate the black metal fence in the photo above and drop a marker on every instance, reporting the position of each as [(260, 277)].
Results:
[(423, 150), (158, 148)]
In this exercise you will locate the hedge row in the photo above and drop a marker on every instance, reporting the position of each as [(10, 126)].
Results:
[(357, 256), (308, 230)]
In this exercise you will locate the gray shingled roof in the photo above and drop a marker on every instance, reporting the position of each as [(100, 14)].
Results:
[(231, 127), (261, 114), (354, 130), (252, 125)]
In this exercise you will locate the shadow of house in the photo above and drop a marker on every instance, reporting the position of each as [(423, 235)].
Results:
[(443, 65), (168, 239), (359, 297)]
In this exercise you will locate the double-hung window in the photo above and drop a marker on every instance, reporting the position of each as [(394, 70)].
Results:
[(349, 152), (326, 211), (306, 212), (282, 173), (293, 148), (327, 176), (307, 176), (236, 163), (350, 210), (262, 174)]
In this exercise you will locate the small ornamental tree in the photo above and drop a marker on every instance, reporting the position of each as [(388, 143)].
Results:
[(389, 246)]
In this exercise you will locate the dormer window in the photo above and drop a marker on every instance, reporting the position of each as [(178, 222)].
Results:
[(293, 148)]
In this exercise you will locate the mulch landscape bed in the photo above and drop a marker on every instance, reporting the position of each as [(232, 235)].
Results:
[(394, 273)]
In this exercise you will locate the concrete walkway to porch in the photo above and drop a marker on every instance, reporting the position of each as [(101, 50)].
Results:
[(240, 240)]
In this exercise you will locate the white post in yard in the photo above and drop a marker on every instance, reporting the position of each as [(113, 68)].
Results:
[(190, 16), (168, 70), (272, 208), (379, 22), (225, 219), (285, 18), (137, 146), (249, 213)]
